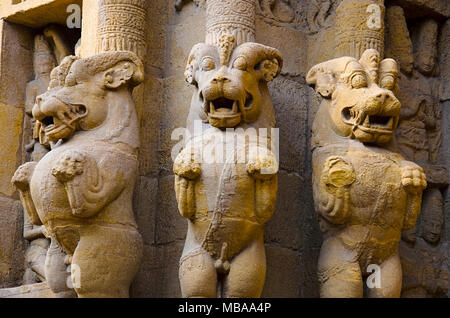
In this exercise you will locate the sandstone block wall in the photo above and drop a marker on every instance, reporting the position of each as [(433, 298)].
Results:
[(304, 32)]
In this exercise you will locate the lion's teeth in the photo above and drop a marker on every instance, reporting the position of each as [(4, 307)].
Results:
[(366, 122), (235, 106), (390, 124), (212, 110)]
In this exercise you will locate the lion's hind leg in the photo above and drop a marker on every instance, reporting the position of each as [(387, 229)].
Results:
[(390, 279), (198, 277), (339, 272), (106, 261), (247, 272)]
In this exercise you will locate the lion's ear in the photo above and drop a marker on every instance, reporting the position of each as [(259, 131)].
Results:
[(324, 82), (270, 69), (118, 75), (192, 63), (189, 73)]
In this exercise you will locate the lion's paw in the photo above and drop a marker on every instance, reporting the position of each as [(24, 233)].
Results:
[(262, 163), (22, 176), (69, 165), (187, 165), (413, 178)]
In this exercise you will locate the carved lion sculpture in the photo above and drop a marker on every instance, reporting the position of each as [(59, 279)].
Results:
[(82, 189), (227, 201), (364, 193)]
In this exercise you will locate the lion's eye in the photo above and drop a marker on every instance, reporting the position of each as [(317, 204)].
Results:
[(240, 63), (71, 80), (359, 80), (208, 64)]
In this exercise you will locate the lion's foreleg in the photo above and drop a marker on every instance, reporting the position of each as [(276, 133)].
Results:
[(89, 188), (21, 181)]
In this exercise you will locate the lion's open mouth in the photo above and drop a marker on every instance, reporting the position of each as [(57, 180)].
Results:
[(224, 112), (378, 124), (224, 106)]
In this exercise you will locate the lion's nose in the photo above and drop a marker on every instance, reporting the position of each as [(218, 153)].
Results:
[(388, 102), (384, 97), (220, 79)]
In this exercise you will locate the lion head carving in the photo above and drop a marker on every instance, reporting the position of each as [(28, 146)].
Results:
[(359, 96), (230, 81), (86, 94)]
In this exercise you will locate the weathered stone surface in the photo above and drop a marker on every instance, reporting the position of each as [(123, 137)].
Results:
[(11, 243), (398, 42), (39, 290), (421, 8), (149, 116), (158, 275), (11, 119), (283, 273), (359, 26), (227, 199), (17, 44), (425, 259), (146, 207), (37, 13), (289, 43), (89, 27), (170, 227), (177, 95), (290, 101), (305, 33), (446, 155), (285, 228), (444, 51), (364, 194), (188, 30), (91, 173)]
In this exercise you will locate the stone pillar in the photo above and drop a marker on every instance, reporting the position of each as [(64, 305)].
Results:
[(235, 18), (121, 26), (360, 26), (245, 177), (15, 45)]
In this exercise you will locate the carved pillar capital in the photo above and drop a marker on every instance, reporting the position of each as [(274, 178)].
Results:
[(121, 26), (360, 25), (231, 17)]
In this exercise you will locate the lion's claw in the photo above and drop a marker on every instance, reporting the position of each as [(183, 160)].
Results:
[(22, 176), (413, 178), (68, 166), (187, 165), (262, 164)]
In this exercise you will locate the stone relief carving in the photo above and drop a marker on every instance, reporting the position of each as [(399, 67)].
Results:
[(364, 193), (55, 36), (81, 191), (122, 26), (227, 202), (419, 138), (398, 42), (279, 10), (425, 259), (44, 259), (419, 135), (360, 26), (35, 253), (43, 63), (179, 4), (317, 14)]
